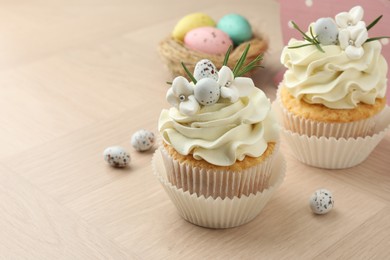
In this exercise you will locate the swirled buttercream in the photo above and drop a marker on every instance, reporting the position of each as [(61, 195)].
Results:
[(223, 132), (331, 78)]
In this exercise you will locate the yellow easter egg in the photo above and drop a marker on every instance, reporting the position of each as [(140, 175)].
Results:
[(189, 22)]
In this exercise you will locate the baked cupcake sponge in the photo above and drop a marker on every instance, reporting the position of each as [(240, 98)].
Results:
[(245, 177), (321, 113)]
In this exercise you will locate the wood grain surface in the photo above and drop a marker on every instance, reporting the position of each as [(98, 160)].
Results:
[(79, 76)]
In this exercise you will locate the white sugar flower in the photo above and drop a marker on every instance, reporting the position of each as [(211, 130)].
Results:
[(181, 96), (233, 88), (351, 40), (351, 18)]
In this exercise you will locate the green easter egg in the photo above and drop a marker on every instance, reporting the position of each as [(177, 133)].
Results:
[(237, 27)]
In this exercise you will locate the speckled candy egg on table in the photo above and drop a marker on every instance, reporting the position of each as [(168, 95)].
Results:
[(189, 22), (208, 40), (237, 27), (321, 202), (142, 140), (116, 156)]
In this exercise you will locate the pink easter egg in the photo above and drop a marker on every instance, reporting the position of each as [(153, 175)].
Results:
[(208, 40)]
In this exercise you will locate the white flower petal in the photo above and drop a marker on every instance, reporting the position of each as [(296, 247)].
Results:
[(181, 86), (172, 98), (353, 52), (342, 19), (354, 31), (361, 38), (356, 14), (344, 38), (224, 75), (361, 24), (244, 86), (237, 87), (189, 107), (230, 93)]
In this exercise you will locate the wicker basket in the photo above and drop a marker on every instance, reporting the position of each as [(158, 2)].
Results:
[(174, 52)]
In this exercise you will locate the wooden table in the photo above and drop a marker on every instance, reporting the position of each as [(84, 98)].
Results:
[(79, 76)]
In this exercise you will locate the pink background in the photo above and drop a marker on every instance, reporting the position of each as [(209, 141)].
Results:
[(303, 15)]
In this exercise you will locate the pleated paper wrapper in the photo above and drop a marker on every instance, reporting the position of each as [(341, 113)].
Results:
[(335, 153), (219, 183), (309, 127), (219, 213)]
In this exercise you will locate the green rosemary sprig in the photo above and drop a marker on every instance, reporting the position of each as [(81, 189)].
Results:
[(241, 69), (299, 46), (299, 30), (168, 82), (188, 73), (311, 39), (226, 59), (373, 23), (241, 60), (250, 66), (377, 38)]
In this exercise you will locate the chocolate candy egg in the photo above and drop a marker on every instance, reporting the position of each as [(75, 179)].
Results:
[(205, 69), (207, 91), (326, 30), (116, 156), (208, 40), (189, 22), (142, 140), (237, 27), (321, 202)]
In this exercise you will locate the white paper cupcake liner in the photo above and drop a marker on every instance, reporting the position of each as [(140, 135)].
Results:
[(309, 127), (219, 183), (332, 153), (219, 213)]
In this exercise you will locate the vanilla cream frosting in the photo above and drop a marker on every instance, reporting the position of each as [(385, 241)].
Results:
[(333, 79), (223, 132)]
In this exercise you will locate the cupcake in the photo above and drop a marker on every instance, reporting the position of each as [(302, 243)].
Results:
[(335, 83), (220, 144), (197, 36)]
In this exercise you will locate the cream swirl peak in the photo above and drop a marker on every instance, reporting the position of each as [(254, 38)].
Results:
[(223, 132), (218, 117), (331, 78), (336, 64)]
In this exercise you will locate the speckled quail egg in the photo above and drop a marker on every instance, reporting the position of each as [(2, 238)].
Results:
[(142, 140), (326, 31), (207, 91), (116, 156), (205, 69), (321, 202)]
